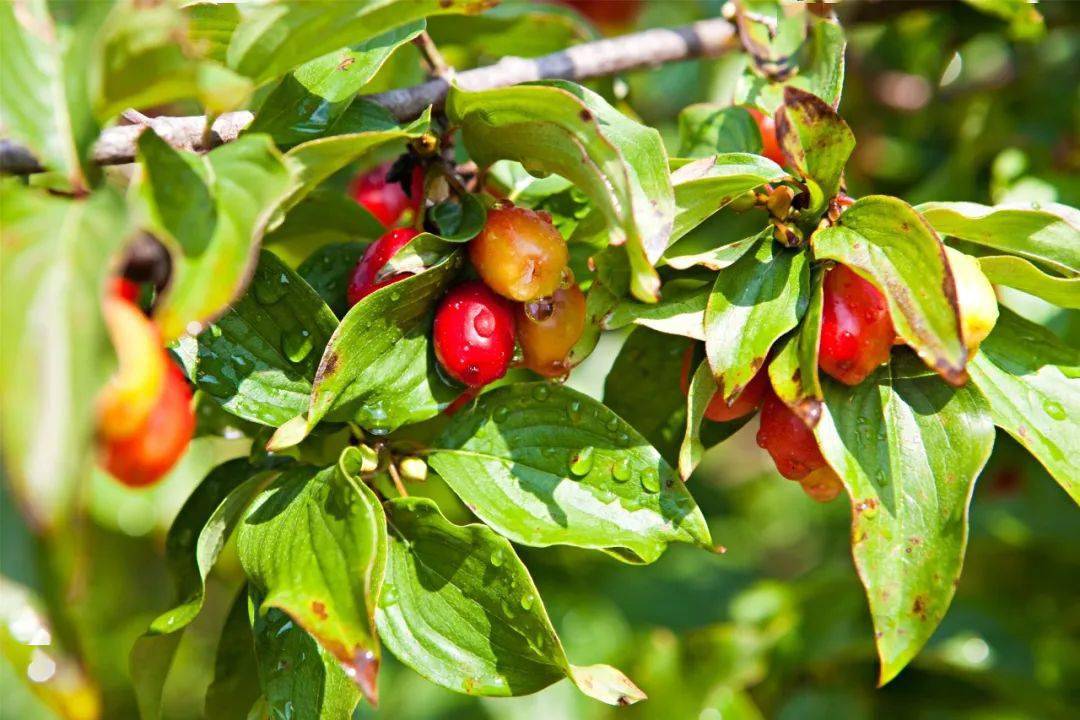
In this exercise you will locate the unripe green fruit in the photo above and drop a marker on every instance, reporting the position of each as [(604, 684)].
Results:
[(975, 295)]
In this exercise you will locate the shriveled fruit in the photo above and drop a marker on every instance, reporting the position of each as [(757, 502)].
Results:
[(745, 402), (975, 295), (548, 328), (146, 454), (787, 439), (129, 395), (363, 281), (856, 328), (386, 200), (519, 254), (767, 128), (474, 334)]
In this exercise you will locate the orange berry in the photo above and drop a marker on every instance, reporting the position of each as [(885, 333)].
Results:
[(549, 328), (519, 254)]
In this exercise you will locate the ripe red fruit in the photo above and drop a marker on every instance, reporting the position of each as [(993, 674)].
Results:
[(375, 257), (767, 128), (474, 334), (519, 253), (609, 15), (787, 439), (144, 456), (123, 288), (547, 336), (856, 328), (745, 403), (387, 201)]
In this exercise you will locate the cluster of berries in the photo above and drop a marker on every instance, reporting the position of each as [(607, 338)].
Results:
[(145, 418), (857, 336), (524, 292)]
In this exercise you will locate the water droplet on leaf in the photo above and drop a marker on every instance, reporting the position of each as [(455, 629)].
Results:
[(296, 345), (541, 392), (620, 471), (650, 480), (582, 463), (1054, 410)]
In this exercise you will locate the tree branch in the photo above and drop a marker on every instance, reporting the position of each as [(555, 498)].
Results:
[(599, 58)]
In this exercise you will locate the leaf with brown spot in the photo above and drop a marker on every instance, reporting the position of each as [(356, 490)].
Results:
[(894, 440), (910, 269), (331, 515), (816, 142)]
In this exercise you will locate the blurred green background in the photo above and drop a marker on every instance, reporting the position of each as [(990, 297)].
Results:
[(947, 103)]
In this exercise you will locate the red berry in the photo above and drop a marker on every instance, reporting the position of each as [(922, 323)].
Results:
[(787, 439), (745, 402), (387, 201), (519, 253), (375, 257), (547, 336), (770, 144), (856, 328), (474, 334), (144, 456), (609, 15)]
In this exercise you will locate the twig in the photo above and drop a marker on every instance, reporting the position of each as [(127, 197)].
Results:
[(396, 477), (599, 58), (432, 57)]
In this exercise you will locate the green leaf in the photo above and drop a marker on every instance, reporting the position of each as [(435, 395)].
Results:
[(817, 143), (298, 676), (330, 515), (697, 436), (1016, 272), (1025, 22), (43, 106), (891, 245), (642, 387), (753, 303), (309, 100), (908, 448), (700, 249), (328, 271), (459, 221), (325, 217), (706, 129), (681, 311), (1048, 234), (460, 608), (815, 65), (1032, 381), (55, 353), (259, 359), (379, 368), (147, 58), (545, 465), (559, 127), (705, 186), (235, 687), (211, 211), (192, 546), (793, 373), (518, 29), (273, 38), (365, 129)]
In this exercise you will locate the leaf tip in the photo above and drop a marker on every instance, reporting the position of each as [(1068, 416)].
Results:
[(606, 684), (289, 434)]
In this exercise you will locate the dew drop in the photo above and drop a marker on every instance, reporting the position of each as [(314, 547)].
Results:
[(623, 439), (540, 309), (507, 609), (582, 462), (650, 480), (501, 413), (395, 296), (527, 602), (389, 596), (573, 411), (541, 392), (215, 331), (268, 291), (216, 386), (612, 425), (296, 345), (620, 471), (1054, 409), (496, 558)]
